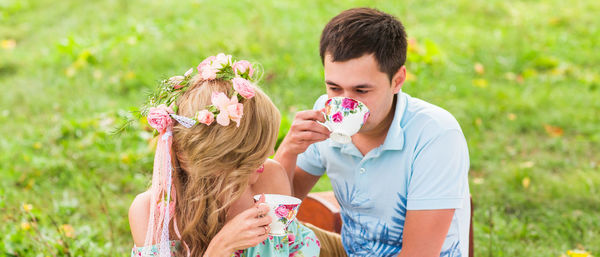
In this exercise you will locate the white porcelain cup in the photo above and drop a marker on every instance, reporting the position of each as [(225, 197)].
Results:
[(344, 117), (282, 209)]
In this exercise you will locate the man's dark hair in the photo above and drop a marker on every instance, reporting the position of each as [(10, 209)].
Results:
[(359, 31)]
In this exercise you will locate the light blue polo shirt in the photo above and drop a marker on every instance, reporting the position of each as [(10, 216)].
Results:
[(422, 165)]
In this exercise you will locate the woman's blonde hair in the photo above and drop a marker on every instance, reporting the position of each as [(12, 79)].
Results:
[(213, 164)]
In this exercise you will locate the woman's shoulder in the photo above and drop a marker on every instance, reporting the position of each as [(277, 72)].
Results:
[(273, 180), (139, 213)]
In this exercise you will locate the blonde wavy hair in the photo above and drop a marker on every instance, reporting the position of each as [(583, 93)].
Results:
[(213, 164)]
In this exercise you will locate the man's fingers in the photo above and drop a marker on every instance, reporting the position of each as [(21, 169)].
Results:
[(316, 115), (306, 125), (311, 137)]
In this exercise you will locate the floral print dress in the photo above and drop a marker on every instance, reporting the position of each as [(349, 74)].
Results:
[(300, 241)]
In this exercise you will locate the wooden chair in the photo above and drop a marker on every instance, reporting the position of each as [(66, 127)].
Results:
[(322, 210)]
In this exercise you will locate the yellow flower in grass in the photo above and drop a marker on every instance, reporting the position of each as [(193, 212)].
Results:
[(27, 207), (481, 83), (512, 116), (129, 75), (526, 181), (68, 230), (578, 253), (8, 43), (25, 226)]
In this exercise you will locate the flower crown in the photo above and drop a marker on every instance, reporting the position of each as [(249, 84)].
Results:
[(161, 107)]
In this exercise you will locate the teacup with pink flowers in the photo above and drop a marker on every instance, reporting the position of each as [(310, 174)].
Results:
[(344, 117), (282, 209)]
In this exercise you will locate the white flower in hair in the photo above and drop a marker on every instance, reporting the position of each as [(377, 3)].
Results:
[(188, 72)]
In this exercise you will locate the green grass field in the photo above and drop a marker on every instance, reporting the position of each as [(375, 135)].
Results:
[(521, 77)]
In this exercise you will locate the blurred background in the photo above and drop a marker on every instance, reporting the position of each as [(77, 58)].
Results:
[(521, 77)]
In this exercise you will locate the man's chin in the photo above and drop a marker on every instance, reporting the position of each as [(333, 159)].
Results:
[(364, 129)]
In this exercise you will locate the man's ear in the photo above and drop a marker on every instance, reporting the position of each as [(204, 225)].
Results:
[(398, 79)]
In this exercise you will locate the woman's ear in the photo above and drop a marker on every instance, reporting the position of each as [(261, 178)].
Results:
[(398, 79)]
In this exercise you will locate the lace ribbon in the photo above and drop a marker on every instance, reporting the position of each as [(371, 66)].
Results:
[(162, 199)]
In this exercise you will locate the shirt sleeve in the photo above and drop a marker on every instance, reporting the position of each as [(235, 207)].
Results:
[(439, 173), (310, 161)]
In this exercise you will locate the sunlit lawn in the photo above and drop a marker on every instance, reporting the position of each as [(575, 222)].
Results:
[(521, 77)]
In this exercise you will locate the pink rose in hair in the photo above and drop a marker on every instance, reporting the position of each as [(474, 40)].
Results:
[(206, 70), (243, 66), (205, 117), (209, 68), (205, 63), (281, 211), (208, 60), (243, 87), (208, 73), (221, 60), (159, 119), (349, 104), (337, 117)]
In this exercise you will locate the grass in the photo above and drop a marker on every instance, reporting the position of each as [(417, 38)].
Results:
[(520, 77)]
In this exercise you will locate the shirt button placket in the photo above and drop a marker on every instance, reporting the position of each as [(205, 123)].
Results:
[(362, 170)]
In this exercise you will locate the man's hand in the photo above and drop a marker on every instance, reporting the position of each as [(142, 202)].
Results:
[(305, 130)]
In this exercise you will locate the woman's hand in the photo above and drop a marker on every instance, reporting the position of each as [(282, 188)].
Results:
[(247, 229)]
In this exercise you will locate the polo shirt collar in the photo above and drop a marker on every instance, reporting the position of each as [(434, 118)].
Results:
[(395, 136)]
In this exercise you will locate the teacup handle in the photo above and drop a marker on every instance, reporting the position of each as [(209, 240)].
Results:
[(323, 123)]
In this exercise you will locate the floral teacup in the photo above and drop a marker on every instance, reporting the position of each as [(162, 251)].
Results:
[(344, 117), (282, 209)]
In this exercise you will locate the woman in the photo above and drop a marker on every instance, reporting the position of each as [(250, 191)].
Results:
[(211, 159)]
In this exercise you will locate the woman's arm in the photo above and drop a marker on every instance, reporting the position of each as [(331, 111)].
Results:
[(139, 214), (246, 229)]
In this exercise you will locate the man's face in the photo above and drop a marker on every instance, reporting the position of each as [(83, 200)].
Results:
[(361, 79)]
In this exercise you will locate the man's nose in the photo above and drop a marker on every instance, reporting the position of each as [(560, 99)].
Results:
[(349, 94)]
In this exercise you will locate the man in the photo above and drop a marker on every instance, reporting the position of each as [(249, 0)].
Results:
[(402, 182)]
